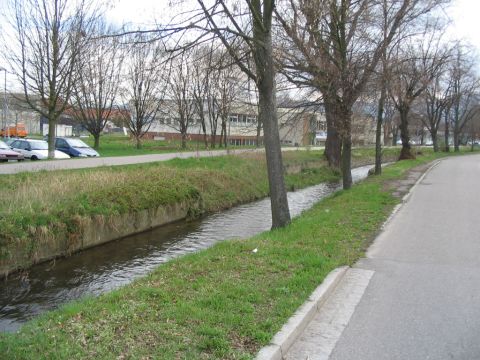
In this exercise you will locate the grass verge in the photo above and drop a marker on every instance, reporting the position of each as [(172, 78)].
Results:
[(119, 145), (222, 303)]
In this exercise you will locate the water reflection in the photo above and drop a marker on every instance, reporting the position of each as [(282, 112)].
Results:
[(103, 268)]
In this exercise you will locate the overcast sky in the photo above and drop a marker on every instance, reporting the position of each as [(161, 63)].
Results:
[(466, 21), (465, 15)]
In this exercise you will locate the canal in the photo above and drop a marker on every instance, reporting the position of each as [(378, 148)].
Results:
[(103, 268)]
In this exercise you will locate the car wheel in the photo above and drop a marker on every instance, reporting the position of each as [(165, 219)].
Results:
[(33, 158)]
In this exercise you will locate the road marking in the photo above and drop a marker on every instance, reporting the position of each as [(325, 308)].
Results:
[(320, 336)]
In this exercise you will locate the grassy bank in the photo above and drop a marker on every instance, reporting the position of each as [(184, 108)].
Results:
[(37, 209), (53, 203), (222, 303)]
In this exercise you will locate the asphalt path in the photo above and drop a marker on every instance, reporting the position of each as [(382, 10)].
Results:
[(82, 163), (417, 293)]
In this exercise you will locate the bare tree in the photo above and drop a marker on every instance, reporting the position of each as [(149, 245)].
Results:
[(465, 94), (225, 91), (201, 79), (98, 77), (180, 101), (49, 35), (337, 46), (474, 130), (244, 29), (215, 83), (415, 66), (437, 101), (143, 85), (382, 80)]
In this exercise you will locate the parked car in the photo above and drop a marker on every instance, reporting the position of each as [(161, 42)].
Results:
[(35, 149), (74, 147), (412, 142), (9, 140), (7, 154)]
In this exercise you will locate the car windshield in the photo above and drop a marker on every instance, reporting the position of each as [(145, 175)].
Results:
[(3, 145), (39, 145), (77, 143)]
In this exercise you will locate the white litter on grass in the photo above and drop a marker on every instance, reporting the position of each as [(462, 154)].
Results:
[(255, 250)]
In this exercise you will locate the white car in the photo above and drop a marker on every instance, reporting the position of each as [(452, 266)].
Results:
[(35, 149)]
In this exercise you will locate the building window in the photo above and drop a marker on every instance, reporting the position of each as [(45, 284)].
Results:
[(233, 118)]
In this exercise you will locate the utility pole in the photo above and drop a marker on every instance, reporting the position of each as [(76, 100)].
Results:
[(4, 112)]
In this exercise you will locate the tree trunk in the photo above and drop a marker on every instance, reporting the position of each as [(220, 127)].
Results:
[(225, 135), (447, 134), (347, 150), (333, 144), (213, 140), (96, 144), (204, 130), (406, 152), (268, 116), (184, 140), (52, 122), (456, 141), (138, 141), (386, 127), (220, 140), (394, 135), (378, 134), (472, 136), (433, 133), (259, 131)]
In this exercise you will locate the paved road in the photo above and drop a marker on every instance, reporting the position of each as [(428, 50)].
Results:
[(417, 294), (15, 167)]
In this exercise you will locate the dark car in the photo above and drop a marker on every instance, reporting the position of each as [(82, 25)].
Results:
[(74, 147), (7, 154)]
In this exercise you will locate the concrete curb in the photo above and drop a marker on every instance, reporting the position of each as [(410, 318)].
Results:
[(287, 335), (289, 332)]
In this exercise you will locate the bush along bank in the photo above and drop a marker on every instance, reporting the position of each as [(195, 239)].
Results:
[(225, 302), (50, 214)]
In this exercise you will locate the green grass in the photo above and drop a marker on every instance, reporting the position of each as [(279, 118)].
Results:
[(221, 303), (45, 206), (51, 205), (119, 145)]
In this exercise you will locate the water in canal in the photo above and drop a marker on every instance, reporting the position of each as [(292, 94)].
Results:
[(103, 268)]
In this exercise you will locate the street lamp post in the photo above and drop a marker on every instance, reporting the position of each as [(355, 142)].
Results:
[(4, 112)]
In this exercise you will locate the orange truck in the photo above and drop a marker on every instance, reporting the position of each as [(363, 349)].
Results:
[(14, 131)]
